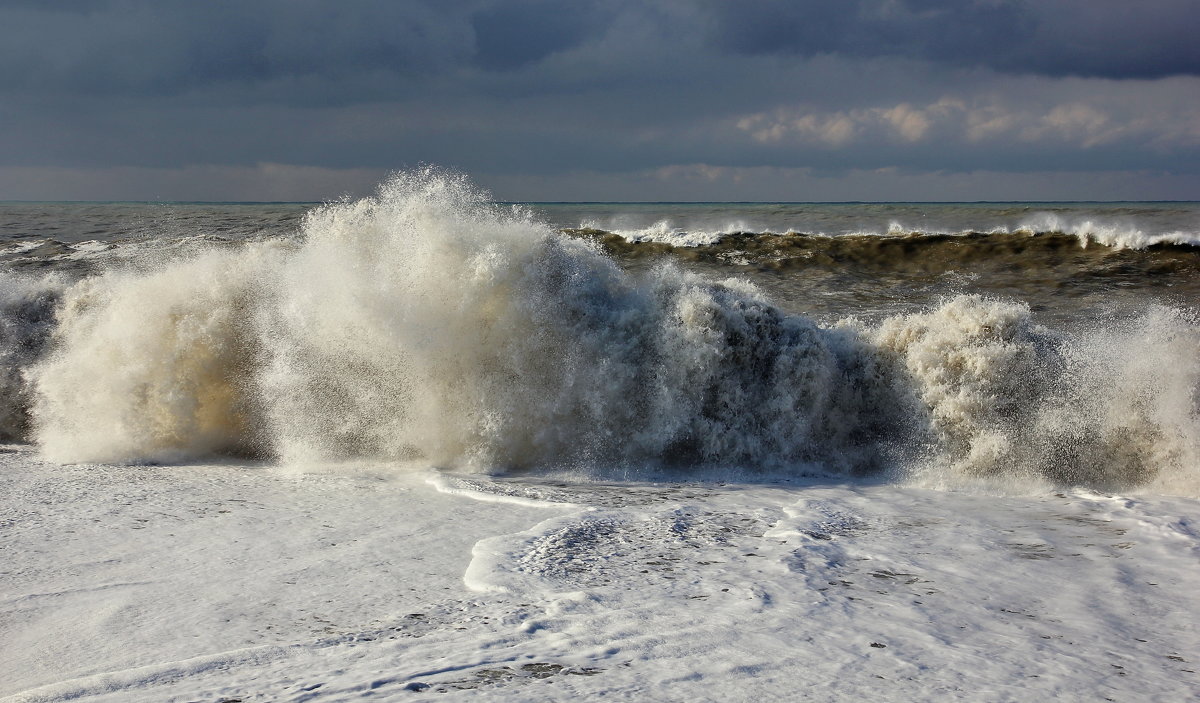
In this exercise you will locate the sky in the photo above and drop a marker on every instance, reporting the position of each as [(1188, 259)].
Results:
[(569, 100)]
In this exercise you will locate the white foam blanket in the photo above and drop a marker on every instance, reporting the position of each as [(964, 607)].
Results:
[(245, 582)]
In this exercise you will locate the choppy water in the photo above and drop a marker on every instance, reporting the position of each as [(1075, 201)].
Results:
[(1019, 344), (830, 258)]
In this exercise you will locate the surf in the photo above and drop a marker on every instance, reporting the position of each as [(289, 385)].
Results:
[(428, 322)]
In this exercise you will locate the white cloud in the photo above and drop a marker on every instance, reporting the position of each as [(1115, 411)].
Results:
[(909, 123), (833, 129), (1074, 123)]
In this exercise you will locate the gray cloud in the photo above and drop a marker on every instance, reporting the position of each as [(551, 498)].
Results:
[(529, 91), (515, 34), (361, 50), (1102, 38), (169, 47)]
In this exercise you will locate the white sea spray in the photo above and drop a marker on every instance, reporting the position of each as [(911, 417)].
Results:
[(428, 323), (152, 366), (1011, 400), (1108, 232)]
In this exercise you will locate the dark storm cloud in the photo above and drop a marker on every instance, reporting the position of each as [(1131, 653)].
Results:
[(514, 34), (1101, 38), (376, 49), (172, 46)]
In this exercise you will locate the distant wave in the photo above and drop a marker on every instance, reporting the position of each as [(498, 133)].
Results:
[(1082, 233), (901, 251), (427, 323)]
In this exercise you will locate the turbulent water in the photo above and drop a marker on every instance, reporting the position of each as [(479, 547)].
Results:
[(1019, 345)]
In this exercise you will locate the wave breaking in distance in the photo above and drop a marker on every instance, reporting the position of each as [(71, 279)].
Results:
[(1081, 234), (427, 322), (910, 251), (1113, 233)]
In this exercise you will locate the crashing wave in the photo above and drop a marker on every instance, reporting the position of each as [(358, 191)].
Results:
[(428, 322)]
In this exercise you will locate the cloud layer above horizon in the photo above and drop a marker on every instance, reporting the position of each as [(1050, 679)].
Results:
[(602, 99)]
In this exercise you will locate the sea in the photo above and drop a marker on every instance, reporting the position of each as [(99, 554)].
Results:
[(1019, 345), (425, 446)]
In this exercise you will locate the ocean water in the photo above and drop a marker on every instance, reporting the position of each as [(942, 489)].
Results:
[(1021, 346), (423, 446)]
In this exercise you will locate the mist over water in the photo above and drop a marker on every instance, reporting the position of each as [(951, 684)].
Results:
[(428, 322)]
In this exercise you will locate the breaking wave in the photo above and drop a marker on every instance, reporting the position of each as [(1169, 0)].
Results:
[(1047, 225), (1056, 253), (427, 322)]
